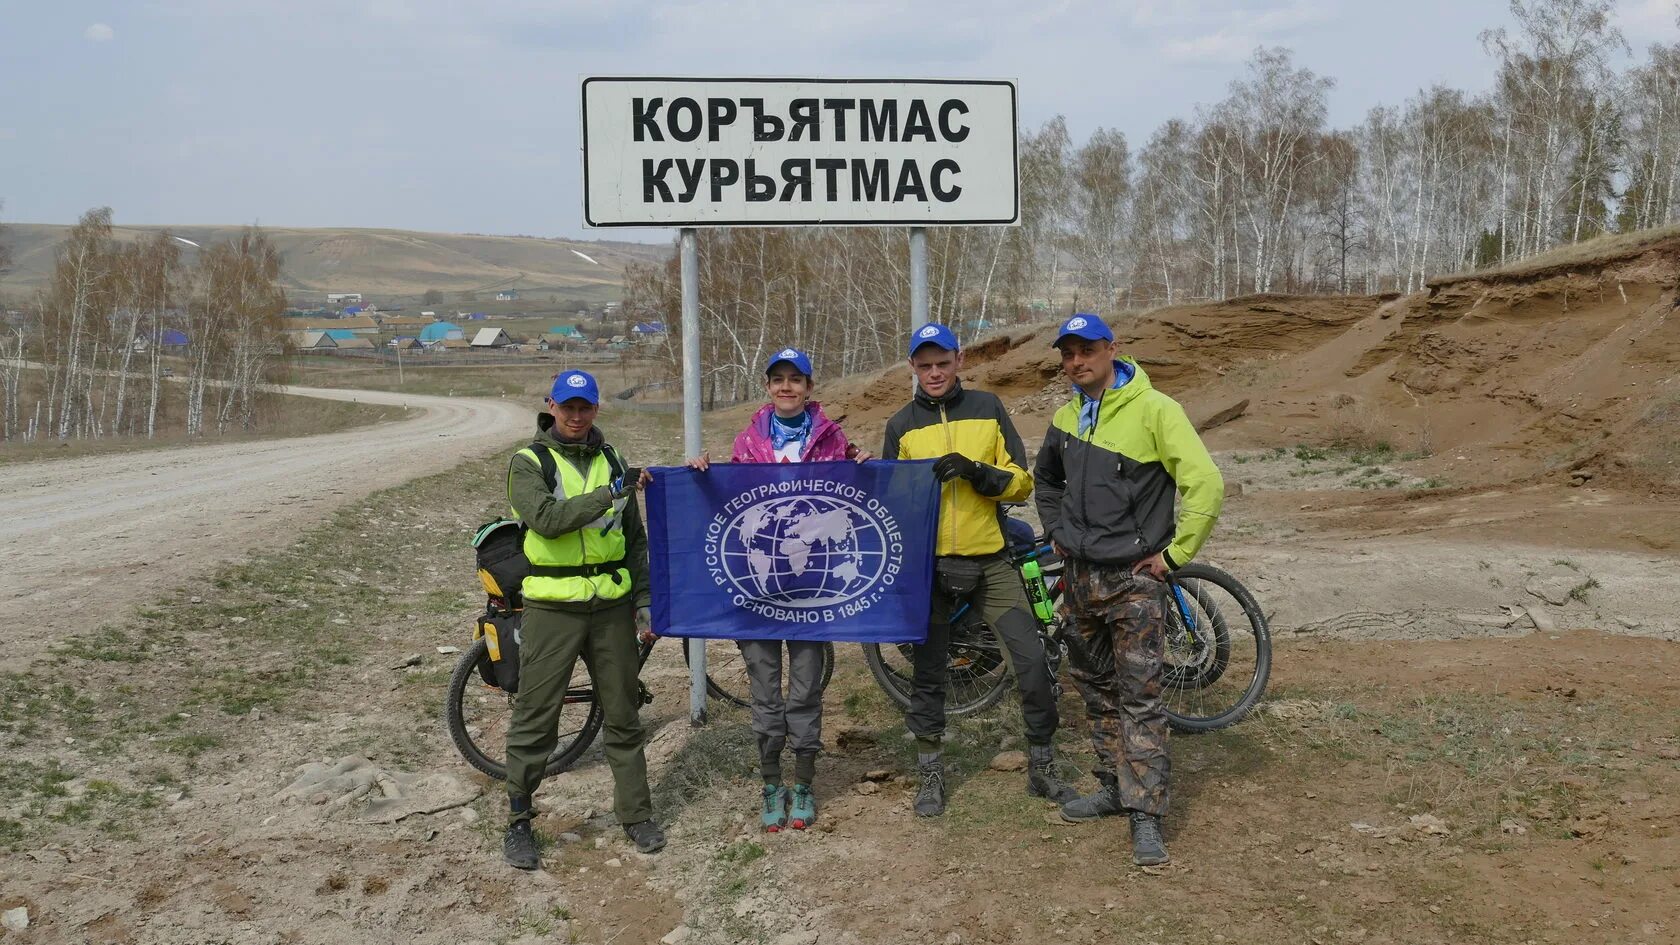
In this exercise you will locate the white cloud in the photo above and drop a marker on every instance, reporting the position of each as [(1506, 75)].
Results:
[(1214, 47), (1237, 30), (99, 33), (1647, 21)]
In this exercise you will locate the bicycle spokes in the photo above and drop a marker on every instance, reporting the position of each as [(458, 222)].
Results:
[(1217, 649)]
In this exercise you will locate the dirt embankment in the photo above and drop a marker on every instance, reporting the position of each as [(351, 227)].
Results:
[(1556, 376)]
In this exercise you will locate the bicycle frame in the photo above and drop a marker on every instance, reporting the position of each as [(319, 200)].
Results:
[(1056, 588)]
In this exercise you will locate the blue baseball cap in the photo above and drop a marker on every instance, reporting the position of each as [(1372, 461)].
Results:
[(575, 385), (793, 356), (1082, 325), (933, 333)]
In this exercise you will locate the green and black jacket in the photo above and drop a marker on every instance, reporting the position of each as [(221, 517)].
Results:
[(1107, 495), (973, 423)]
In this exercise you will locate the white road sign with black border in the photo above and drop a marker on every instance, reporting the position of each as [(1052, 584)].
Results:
[(661, 151)]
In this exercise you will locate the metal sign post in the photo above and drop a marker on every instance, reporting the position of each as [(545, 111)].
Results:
[(691, 437), (918, 287)]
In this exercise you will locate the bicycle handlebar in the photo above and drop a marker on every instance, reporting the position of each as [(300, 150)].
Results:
[(1034, 554)]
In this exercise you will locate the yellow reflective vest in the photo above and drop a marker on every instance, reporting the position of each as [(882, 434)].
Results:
[(589, 562)]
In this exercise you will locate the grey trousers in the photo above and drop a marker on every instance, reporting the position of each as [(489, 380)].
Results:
[(798, 716)]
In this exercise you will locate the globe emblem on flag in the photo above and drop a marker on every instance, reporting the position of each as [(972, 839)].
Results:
[(803, 551)]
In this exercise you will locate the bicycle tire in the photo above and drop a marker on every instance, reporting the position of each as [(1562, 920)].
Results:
[(486, 757), (980, 673), (1224, 710), (1217, 655), (732, 686)]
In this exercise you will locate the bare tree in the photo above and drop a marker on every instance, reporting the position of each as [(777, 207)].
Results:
[(1559, 56), (1102, 188)]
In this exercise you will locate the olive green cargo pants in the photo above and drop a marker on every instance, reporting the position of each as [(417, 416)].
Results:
[(550, 642)]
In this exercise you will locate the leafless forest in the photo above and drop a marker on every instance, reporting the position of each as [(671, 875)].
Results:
[(87, 359), (1254, 193)]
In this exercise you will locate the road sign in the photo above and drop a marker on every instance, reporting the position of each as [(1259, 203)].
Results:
[(788, 152)]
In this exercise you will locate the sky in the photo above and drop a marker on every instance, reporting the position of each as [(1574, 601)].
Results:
[(447, 116)]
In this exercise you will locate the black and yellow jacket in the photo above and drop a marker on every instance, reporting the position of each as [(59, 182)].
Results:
[(973, 423), (1106, 494)]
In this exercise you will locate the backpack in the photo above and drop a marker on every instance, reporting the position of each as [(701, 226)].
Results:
[(499, 666)]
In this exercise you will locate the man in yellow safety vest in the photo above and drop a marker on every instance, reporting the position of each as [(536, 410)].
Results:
[(588, 596)]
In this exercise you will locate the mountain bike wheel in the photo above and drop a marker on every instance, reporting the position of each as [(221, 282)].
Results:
[(1218, 650), (975, 678), (477, 717), (726, 671)]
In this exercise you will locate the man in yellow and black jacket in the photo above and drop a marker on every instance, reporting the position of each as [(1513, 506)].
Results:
[(981, 463), (1115, 458)]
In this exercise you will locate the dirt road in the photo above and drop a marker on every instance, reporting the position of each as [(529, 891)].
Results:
[(87, 538)]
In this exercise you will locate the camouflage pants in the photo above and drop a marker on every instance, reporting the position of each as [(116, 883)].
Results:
[(1119, 617)]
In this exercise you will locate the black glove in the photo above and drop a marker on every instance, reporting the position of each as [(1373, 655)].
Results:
[(626, 482), (956, 466)]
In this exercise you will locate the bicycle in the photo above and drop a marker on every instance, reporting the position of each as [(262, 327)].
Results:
[(1216, 633), (477, 717)]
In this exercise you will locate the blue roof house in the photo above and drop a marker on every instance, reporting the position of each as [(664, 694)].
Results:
[(440, 331)]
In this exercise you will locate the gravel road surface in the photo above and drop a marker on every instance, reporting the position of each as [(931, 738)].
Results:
[(86, 539)]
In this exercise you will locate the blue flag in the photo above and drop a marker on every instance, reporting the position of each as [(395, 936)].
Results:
[(793, 551)]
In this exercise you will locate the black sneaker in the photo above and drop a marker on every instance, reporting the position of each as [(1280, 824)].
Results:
[(519, 846), (1041, 776), (930, 798), (1148, 847), (646, 835), (1103, 802)]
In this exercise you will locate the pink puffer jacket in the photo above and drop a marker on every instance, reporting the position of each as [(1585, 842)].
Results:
[(827, 442)]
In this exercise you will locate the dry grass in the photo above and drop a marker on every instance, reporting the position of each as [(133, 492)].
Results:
[(491, 379), (1587, 252), (390, 263), (281, 416)]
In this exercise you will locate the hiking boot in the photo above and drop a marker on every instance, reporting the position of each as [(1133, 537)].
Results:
[(1103, 802), (519, 847), (802, 811), (930, 797), (1041, 776), (774, 816), (1148, 847), (646, 835)]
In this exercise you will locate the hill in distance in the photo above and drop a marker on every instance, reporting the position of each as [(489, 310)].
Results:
[(382, 264)]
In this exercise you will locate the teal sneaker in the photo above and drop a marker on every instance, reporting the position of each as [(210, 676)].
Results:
[(803, 809), (774, 817)]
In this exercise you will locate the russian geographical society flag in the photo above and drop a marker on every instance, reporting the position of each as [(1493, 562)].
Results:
[(793, 551)]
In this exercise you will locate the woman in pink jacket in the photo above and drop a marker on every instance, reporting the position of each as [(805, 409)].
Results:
[(791, 428)]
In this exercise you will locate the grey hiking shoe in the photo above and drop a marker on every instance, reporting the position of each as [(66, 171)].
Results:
[(1148, 847), (1103, 802), (930, 797), (519, 846), (646, 835), (1041, 776)]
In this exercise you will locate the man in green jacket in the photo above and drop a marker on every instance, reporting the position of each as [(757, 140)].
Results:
[(588, 596), (1113, 459)]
